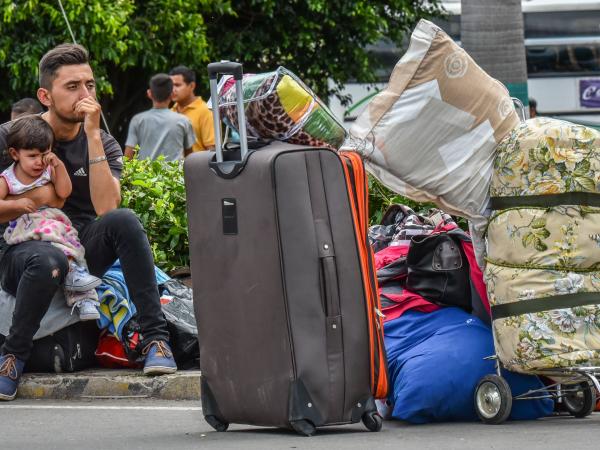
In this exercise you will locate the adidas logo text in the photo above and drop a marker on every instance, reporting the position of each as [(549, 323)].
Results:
[(80, 172)]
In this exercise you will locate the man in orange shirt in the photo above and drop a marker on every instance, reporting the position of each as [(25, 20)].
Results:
[(194, 108)]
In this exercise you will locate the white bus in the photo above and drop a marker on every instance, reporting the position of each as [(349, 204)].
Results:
[(562, 41)]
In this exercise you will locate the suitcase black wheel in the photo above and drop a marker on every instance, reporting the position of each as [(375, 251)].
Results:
[(304, 427), (493, 399), (217, 424), (372, 420), (580, 401)]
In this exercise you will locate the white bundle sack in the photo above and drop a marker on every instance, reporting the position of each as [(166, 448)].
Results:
[(431, 134)]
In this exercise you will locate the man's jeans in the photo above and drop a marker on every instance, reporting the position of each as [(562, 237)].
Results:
[(33, 271)]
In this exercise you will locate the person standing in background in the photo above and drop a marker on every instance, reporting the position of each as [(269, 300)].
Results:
[(24, 106), (160, 131), (532, 108), (193, 107)]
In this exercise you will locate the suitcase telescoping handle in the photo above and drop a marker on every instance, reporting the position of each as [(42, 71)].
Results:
[(235, 69)]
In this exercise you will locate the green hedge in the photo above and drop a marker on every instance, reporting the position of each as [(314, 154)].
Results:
[(156, 192), (380, 198)]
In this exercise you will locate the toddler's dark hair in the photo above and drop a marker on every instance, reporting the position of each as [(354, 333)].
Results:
[(30, 132)]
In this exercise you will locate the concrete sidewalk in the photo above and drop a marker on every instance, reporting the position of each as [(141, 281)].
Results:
[(110, 383)]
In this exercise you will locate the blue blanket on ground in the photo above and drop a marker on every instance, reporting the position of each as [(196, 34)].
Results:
[(116, 307), (435, 362)]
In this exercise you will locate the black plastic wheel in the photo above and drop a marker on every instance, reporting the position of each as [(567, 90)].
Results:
[(217, 424), (581, 401), (493, 399), (304, 427), (372, 420)]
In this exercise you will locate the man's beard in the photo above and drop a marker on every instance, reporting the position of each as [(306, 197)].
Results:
[(73, 118)]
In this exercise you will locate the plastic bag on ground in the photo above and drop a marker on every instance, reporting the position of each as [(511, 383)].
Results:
[(178, 308)]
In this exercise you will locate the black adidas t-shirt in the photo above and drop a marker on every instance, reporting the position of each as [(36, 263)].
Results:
[(74, 154)]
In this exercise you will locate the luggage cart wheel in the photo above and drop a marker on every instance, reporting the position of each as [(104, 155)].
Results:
[(581, 401), (216, 423), (493, 399), (304, 427), (372, 420)]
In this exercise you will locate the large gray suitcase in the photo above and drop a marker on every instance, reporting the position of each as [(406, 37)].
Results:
[(278, 292)]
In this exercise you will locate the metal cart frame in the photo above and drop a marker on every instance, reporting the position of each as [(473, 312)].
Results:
[(575, 390)]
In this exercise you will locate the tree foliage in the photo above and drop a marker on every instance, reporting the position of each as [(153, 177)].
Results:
[(130, 40), (316, 39)]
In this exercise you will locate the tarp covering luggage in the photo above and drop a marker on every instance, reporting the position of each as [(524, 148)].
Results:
[(543, 267)]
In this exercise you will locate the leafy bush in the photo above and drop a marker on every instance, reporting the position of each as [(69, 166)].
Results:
[(380, 199), (156, 192)]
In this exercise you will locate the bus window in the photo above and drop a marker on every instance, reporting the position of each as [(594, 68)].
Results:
[(541, 59), (563, 60), (561, 24), (385, 62), (553, 24)]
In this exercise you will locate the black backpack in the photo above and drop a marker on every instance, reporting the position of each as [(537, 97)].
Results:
[(67, 350)]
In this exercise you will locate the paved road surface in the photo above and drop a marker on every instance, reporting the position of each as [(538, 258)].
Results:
[(148, 424)]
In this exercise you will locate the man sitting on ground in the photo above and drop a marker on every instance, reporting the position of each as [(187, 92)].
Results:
[(160, 131), (34, 270)]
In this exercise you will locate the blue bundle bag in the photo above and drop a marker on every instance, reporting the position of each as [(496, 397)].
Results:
[(435, 361)]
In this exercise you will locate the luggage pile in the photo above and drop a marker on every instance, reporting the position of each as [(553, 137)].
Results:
[(444, 131), (425, 262), (437, 333), (286, 299)]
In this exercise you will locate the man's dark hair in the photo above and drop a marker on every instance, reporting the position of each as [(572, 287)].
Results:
[(186, 73), (30, 132), (61, 55), (161, 87), (26, 105), (533, 103)]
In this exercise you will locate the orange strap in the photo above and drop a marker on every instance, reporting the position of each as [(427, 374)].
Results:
[(358, 189)]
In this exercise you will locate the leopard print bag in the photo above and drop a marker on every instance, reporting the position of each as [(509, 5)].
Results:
[(279, 106)]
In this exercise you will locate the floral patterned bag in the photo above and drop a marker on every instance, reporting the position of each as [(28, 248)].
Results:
[(543, 256)]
